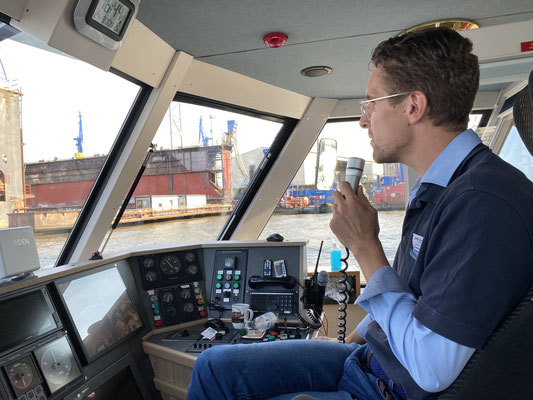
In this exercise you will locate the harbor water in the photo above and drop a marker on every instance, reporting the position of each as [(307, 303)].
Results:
[(311, 228)]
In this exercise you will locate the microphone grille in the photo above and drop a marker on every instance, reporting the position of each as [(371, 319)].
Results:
[(322, 278)]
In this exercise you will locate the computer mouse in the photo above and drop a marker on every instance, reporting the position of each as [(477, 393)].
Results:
[(275, 237)]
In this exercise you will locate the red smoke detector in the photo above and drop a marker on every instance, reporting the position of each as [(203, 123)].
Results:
[(275, 39)]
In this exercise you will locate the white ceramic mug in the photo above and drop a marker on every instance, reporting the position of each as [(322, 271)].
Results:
[(240, 314)]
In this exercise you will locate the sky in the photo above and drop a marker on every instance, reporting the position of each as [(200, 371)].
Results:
[(56, 88)]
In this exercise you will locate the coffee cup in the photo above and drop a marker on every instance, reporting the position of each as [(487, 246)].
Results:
[(240, 314)]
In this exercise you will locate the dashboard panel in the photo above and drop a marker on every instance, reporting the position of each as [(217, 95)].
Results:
[(62, 329)]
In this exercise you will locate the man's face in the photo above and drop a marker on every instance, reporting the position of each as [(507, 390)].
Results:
[(386, 123)]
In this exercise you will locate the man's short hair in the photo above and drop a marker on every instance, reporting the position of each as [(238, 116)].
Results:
[(438, 62)]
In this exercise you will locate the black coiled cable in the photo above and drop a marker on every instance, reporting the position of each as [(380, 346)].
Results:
[(344, 292)]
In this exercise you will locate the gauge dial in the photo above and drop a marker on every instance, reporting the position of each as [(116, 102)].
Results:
[(168, 297), (188, 308), (185, 294), (192, 269), (56, 365), (170, 265), (171, 311), (150, 276), (148, 262), (20, 374), (189, 257)]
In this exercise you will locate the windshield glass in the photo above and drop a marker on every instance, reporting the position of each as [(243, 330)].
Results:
[(60, 117), (204, 160)]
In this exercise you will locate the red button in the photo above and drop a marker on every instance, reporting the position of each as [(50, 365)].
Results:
[(158, 323), (200, 301), (202, 314)]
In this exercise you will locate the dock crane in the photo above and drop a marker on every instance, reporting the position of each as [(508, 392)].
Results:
[(79, 139)]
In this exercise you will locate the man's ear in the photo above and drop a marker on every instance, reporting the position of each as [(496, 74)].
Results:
[(417, 106)]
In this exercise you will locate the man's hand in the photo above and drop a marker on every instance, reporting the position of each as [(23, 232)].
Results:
[(355, 223)]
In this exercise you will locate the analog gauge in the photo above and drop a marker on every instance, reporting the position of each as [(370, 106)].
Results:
[(171, 311), (170, 265), (20, 374), (151, 276), (192, 269), (148, 262), (188, 308), (56, 365), (189, 257), (168, 297), (185, 294)]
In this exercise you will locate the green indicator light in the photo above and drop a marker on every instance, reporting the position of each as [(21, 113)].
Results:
[(236, 285), (218, 285), (237, 277), (219, 277)]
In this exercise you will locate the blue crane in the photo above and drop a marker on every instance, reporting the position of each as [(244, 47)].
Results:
[(79, 138), (203, 138)]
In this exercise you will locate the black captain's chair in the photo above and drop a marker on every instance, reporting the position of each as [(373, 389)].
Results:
[(503, 368)]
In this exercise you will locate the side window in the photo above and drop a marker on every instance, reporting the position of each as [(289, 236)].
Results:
[(515, 153)]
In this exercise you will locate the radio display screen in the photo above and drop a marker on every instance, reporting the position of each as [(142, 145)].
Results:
[(101, 309), (24, 318)]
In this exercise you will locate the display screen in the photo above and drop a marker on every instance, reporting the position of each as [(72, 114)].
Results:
[(101, 310), (24, 318), (112, 14)]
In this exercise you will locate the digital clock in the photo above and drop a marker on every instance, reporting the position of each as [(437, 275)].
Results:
[(105, 21)]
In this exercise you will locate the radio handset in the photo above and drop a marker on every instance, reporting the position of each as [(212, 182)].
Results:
[(354, 172), (313, 297)]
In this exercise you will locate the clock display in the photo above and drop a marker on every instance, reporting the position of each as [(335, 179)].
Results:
[(112, 14)]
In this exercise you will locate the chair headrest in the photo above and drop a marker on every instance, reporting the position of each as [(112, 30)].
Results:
[(523, 114)]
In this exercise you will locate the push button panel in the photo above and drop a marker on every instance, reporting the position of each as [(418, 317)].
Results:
[(229, 277)]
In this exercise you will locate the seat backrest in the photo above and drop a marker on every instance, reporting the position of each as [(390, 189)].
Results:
[(503, 367)]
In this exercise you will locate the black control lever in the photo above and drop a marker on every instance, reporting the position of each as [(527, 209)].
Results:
[(257, 281)]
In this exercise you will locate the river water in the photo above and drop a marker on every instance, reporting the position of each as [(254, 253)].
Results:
[(312, 228)]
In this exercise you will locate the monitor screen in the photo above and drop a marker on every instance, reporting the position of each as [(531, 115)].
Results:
[(101, 309), (24, 318)]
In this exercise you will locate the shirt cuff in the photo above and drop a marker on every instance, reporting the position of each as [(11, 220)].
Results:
[(383, 280)]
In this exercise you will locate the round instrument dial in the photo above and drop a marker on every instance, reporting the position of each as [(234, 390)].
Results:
[(148, 262), (170, 265), (168, 297), (192, 269), (56, 365), (189, 257), (20, 374), (185, 294), (188, 308), (150, 276)]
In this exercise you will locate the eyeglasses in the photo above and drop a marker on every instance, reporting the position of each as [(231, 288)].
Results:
[(366, 103)]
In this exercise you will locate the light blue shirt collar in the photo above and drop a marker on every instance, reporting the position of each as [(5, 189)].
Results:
[(442, 169)]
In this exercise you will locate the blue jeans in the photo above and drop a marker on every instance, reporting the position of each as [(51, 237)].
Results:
[(280, 370)]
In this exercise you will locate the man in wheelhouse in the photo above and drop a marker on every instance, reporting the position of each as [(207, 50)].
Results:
[(464, 262)]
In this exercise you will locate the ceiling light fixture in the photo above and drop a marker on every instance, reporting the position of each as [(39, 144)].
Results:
[(316, 71), (457, 24), (275, 39)]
